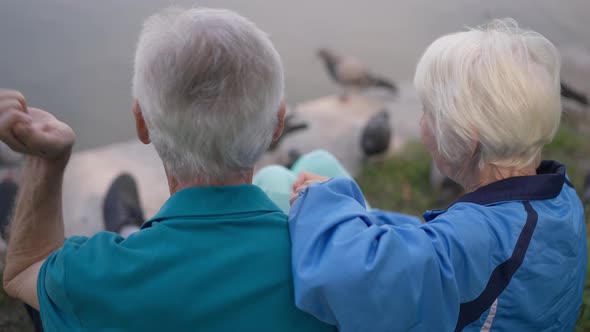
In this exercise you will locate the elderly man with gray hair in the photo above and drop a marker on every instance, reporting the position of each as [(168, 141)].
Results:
[(209, 95)]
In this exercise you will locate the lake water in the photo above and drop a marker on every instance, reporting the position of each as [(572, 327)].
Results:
[(74, 58)]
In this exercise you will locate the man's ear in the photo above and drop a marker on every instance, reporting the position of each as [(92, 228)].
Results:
[(280, 122), (142, 131)]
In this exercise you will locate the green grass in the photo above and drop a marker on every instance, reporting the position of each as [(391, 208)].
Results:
[(401, 183)]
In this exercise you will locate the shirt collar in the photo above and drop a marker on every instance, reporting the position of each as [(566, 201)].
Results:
[(546, 184), (212, 201)]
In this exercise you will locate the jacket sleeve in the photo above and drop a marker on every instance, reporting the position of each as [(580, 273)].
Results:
[(362, 274), (393, 218)]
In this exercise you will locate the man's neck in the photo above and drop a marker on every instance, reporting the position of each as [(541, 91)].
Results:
[(233, 180)]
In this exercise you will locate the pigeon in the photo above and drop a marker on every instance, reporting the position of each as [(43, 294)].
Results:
[(352, 73), (376, 135), (568, 92), (290, 127), (448, 190), (293, 156)]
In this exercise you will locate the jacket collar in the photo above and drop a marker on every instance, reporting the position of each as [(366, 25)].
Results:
[(546, 184), (214, 201)]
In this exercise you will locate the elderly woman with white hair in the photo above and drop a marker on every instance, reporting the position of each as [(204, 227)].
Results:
[(510, 255)]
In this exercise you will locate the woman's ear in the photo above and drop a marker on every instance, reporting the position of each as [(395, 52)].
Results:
[(474, 144), (280, 122), (142, 131)]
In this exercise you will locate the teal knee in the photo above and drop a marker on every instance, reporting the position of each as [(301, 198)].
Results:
[(323, 163), (276, 182), (320, 162)]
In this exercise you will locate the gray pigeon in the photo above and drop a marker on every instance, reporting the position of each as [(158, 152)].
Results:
[(350, 72), (376, 135), (448, 190), (570, 93), (293, 156), (290, 127)]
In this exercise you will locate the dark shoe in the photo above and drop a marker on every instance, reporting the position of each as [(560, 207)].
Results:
[(35, 317), (121, 205), (8, 191)]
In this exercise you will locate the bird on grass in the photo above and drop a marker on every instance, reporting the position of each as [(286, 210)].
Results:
[(292, 156), (448, 190), (376, 135), (290, 127), (570, 93), (352, 73)]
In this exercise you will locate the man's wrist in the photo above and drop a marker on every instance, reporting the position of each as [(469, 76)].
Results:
[(47, 166), (37, 225)]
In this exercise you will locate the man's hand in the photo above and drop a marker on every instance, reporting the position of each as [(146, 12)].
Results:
[(13, 110), (37, 227), (305, 180), (33, 131)]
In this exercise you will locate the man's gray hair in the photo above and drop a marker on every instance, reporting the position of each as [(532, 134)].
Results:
[(210, 84), (497, 86)]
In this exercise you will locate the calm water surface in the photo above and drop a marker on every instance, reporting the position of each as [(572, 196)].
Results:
[(74, 57)]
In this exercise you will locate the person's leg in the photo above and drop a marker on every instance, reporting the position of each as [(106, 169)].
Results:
[(323, 163), (320, 162), (276, 182), (122, 210)]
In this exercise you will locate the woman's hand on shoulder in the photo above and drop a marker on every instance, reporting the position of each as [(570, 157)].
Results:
[(305, 180)]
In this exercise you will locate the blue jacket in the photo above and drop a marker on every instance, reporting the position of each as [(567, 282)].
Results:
[(510, 256)]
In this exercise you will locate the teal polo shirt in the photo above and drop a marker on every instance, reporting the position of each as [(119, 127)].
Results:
[(212, 259)]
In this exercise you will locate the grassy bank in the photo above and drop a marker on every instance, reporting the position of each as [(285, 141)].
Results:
[(401, 183)]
